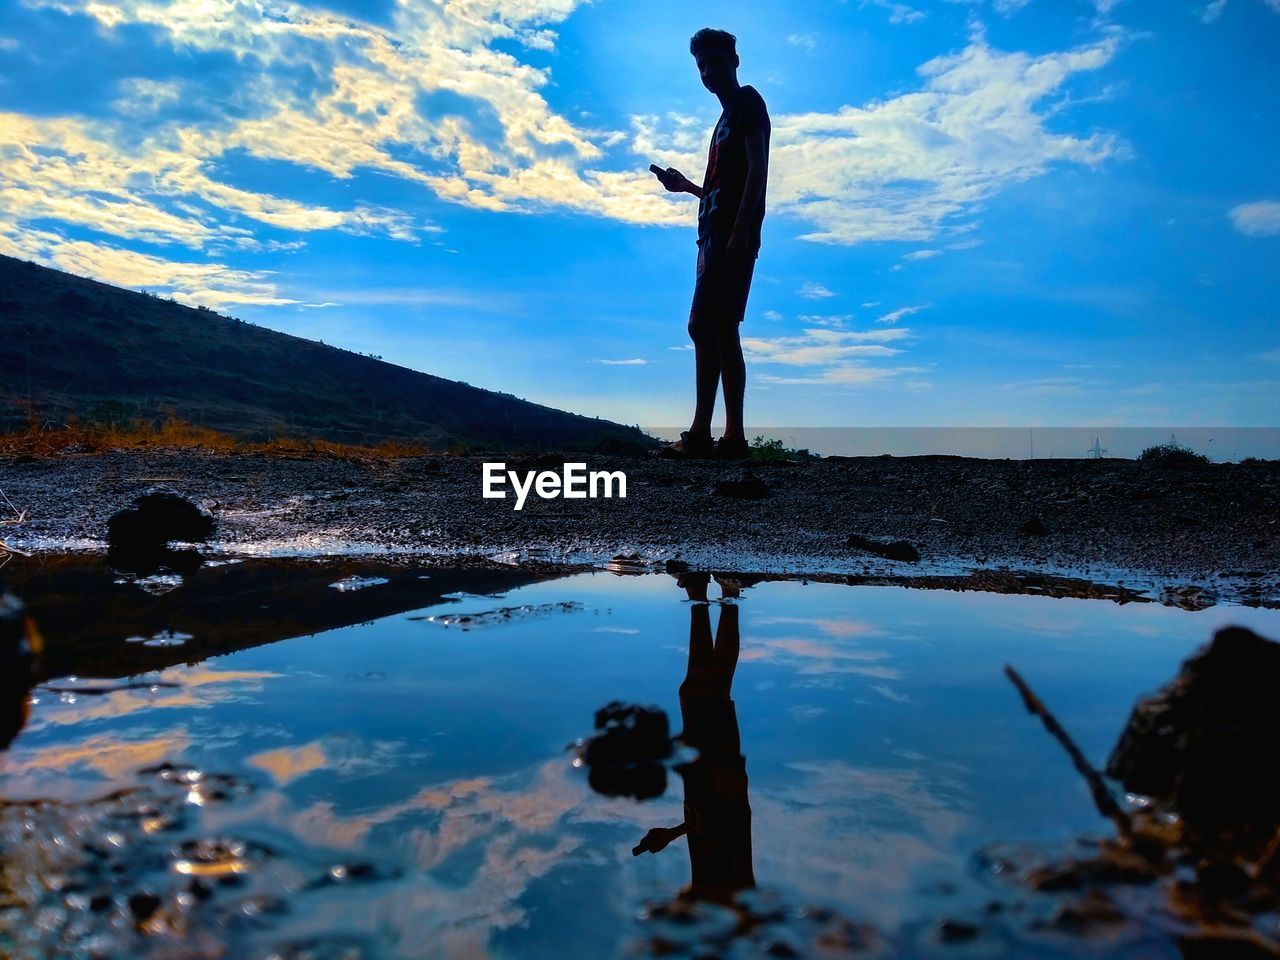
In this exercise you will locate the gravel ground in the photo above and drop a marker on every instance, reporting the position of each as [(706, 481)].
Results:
[(1188, 535)]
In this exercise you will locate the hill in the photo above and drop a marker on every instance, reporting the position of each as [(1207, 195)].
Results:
[(71, 347)]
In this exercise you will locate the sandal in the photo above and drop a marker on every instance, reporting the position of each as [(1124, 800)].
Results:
[(690, 446)]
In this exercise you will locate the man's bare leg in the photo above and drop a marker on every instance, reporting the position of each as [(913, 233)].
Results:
[(733, 373), (706, 353)]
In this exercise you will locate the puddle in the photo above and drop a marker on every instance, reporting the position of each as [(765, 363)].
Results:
[(320, 773)]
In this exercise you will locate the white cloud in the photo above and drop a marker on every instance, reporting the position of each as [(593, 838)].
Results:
[(914, 166), (905, 168), (356, 107), (1213, 10), (806, 41), (633, 362), (814, 291), (140, 95), (773, 315), (1007, 7), (836, 356), (1260, 219), (827, 321), (898, 12), (210, 284), (922, 255), (896, 315)]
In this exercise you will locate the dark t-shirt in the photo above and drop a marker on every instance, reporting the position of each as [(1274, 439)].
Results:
[(727, 168)]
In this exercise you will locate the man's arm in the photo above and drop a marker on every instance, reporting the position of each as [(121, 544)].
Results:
[(675, 181), (757, 144), (658, 838)]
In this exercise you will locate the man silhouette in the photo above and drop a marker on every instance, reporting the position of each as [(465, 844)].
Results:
[(730, 212)]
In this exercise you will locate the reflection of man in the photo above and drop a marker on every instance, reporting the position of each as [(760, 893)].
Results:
[(730, 213), (717, 814)]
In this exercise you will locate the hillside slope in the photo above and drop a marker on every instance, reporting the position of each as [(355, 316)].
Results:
[(70, 346)]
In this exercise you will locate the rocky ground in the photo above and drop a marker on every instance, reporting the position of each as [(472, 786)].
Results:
[(1188, 535)]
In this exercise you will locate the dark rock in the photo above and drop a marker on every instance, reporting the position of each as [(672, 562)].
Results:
[(629, 733), (1204, 744), (143, 906), (1222, 879), (626, 757), (156, 519), (1033, 528), (1226, 945), (138, 538), (676, 566), (17, 638), (1189, 597), (745, 486), (956, 931), (890, 550)]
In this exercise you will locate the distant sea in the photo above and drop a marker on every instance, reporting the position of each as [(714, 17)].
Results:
[(1220, 444)]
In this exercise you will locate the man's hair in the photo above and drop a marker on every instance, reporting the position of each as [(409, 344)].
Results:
[(709, 39)]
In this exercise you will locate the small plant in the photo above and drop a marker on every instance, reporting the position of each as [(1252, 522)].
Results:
[(1171, 453), (766, 449)]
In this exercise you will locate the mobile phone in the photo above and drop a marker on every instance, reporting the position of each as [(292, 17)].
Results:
[(657, 169)]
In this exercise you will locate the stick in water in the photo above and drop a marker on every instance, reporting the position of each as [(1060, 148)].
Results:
[(1102, 797)]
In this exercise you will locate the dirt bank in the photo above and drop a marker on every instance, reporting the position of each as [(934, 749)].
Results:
[(1187, 534)]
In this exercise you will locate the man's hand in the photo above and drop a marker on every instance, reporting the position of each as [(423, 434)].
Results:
[(673, 179), (657, 839)]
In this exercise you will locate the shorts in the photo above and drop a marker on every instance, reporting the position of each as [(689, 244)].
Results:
[(722, 284)]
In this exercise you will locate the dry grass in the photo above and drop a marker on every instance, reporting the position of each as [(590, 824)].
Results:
[(45, 439), (18, 517)]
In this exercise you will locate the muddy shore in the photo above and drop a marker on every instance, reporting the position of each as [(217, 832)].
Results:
[(1187, 535)]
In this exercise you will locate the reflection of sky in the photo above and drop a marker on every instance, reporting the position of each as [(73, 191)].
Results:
[(883, 747)]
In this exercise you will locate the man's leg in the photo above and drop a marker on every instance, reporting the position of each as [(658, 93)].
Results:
[(706, 358), (733, 373)]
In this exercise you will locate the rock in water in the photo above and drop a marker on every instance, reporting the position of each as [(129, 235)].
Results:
[(626, 757), (1204, 744), (155, 520), (19, 641)]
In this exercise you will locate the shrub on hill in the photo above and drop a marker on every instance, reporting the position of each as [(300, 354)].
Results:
[(1171, 454)]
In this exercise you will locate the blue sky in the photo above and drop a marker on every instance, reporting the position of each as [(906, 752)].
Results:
[(981, 212)]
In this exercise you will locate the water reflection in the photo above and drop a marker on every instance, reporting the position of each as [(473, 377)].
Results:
[(398, 787), (717, 811)]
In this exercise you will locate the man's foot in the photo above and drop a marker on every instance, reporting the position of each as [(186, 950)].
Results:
[(690, 446), (732, 448), (695, 585)]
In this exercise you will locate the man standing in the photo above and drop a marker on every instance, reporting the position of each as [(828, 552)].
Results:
[(730, 213)]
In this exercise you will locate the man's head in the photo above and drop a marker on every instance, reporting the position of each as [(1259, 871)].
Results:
[(716, 53)]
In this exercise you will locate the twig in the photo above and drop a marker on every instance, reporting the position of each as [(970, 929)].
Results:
[(1268, 865), (18, 517), (1102, 797)]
